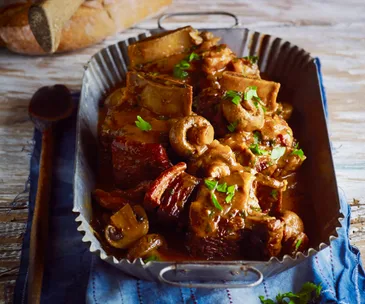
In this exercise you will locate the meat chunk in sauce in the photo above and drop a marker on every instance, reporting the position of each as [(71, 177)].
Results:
[(262, 237), (135, 162), (170, 192), (214, 219)]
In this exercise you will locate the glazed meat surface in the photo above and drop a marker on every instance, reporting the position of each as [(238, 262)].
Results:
[(197, 156)]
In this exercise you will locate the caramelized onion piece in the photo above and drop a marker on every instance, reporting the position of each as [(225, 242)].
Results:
[(127, 226), (190, 135)]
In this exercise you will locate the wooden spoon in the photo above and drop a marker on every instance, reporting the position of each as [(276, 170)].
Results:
[(47, 106), (46, 20)]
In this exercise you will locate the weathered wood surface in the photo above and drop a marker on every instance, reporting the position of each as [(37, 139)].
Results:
[(333, 31)]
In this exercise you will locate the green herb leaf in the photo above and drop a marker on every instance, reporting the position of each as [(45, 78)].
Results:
[(267, 301), (222, 188), (308, 293), (179, 69), (184, 65), (142, 124), (257, 209), (232, 126), (250, 92), (211, 185), (193, 56), (230, 193), (236, 100), (252, 59), (277, 152), (255, 149), (215, 201), (257, 137), (151, 258), (298, 152), (298, 244), (234, 96), (274, 194), (179, 73)]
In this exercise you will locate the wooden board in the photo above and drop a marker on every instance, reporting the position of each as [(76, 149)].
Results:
[(332, 31)]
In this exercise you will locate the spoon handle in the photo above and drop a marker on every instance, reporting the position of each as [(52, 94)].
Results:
[(39, 232)]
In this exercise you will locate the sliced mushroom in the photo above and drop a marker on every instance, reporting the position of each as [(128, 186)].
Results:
[(246, 116), (159, 46), (218, 161), (145, 245), (127, 226), (190, 135)]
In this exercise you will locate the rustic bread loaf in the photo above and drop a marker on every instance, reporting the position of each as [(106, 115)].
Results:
[(92, 22)]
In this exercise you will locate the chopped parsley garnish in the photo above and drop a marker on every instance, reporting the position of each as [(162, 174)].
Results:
[(215, 201), (274, 194), (193, 56), (234, 96), (255, 149), (230, 193), (151, 258), (222, 188), (250, 93), (232, 126), (298, 152), (179, 69), (142, 124), (257, 137), (211, 185), (309, 293), (252, 59), (298, 244), (183, 65), (277, 152)]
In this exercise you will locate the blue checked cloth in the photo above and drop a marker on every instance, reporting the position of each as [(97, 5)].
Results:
[(73, 275)]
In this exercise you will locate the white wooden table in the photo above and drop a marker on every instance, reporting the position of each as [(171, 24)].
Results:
[(332, 30)]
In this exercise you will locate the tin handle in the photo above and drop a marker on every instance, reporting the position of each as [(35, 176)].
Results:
[(186, 270), (165, 16)]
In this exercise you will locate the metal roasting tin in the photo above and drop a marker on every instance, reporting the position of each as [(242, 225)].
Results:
[(282, 62)]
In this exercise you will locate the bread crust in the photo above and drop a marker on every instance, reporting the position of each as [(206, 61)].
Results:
[(92, 22)]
